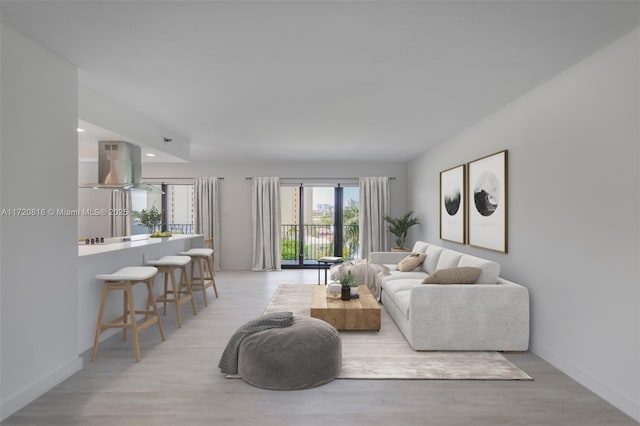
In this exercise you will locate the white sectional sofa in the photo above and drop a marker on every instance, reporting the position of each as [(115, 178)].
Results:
[(492, 314)]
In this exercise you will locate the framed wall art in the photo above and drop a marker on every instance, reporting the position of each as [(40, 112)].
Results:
[(453, 204), (487, 202)]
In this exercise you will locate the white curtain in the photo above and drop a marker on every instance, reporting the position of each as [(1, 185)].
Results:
[(206, 200), (374, 206), (266, 223), (120, 223)]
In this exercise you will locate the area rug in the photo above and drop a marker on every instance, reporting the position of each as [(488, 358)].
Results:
[(387, 355)]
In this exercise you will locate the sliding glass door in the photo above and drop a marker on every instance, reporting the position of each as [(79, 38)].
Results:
[(318, 221)]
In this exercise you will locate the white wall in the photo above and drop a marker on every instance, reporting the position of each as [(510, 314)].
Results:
[(38, 255), (573, 214), (235, 193)]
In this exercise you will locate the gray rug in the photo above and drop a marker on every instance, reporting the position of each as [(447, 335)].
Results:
[(387, 355)]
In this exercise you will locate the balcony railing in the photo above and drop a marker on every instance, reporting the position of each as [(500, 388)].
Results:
[(180, 228), (176, 228), (318, 241)]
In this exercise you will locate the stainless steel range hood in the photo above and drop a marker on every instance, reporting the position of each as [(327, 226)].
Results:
[(119, 167)]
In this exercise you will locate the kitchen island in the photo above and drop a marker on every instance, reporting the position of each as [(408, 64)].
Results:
[(94, 259)]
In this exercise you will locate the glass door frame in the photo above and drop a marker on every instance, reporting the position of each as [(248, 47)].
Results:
[(338, 228)]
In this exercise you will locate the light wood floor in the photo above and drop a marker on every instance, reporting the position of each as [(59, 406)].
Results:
[(178, 383)]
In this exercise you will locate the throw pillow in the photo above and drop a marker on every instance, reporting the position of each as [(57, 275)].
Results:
[(411, 262), (462, 275), (419, 247)]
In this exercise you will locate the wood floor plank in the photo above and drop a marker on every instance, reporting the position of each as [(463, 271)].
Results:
[(178, 383)]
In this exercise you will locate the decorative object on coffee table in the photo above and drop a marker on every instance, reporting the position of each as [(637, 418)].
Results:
[(346, 293), (334, 290), (348, 281), (453, 204), (354, 291), (487, 200), (399, 227)]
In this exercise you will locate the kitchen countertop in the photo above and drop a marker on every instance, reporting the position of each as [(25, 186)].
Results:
[(137, 241)]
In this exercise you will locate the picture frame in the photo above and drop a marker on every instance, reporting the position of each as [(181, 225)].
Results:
[(487, 184), (453, 204)]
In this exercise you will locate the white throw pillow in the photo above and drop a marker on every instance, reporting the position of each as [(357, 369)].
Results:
[(490, 270), (448, 259), (433, 255), (420, 247)]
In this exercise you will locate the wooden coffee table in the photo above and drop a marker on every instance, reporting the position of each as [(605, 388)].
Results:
[(355, 314)]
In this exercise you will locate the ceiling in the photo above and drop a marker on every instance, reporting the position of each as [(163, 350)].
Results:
[(316, 80), (89, 135)]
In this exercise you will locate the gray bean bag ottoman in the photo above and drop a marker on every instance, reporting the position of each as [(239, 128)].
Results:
[(302, 356)]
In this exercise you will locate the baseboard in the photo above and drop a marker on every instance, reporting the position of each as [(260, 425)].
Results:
[(15, 402), (622, 402)]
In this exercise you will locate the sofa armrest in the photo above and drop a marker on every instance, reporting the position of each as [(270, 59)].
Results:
[(470, 317), (386, 257)]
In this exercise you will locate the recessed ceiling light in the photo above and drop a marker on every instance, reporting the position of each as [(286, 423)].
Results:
[(80, 130), (148, 154)]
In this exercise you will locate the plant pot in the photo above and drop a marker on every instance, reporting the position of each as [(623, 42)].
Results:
[(346, 293), (400, 249), (353, 291)]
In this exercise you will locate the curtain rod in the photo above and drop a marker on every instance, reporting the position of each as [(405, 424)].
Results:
[(174, 178), (317, 178)]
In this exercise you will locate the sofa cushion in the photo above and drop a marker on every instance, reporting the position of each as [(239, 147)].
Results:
[(419, 247), (448, 259), (402, 299), (395, 275), (490, 270), (431, 262), (463, 275), (411, 262), (392, 287)]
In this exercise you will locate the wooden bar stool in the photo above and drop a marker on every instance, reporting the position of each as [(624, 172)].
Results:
[(203, 257), (124, 280), (178, 294)]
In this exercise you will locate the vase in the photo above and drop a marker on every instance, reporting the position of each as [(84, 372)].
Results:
[(353, 291), (346, 293)]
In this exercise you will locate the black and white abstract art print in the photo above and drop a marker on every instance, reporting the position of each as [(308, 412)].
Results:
[(453, 204), (487, 198)]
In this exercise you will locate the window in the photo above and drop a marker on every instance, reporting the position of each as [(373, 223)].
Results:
[(180, 208), (175, 204), (318, 221)]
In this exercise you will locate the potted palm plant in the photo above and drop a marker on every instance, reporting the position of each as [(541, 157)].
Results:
[(399, 226)]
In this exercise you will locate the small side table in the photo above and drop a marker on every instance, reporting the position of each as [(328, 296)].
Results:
[(325, 262)]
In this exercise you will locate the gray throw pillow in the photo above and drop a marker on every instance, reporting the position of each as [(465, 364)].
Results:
[(411, 262), (462, 275)]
